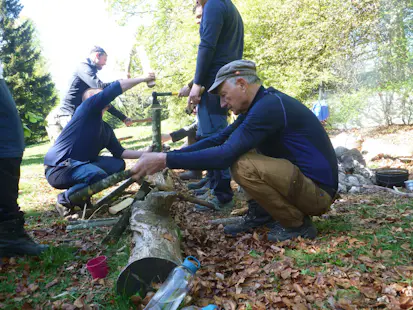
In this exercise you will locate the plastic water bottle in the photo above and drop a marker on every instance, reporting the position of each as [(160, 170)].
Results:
[(170, 294), (209, 307)]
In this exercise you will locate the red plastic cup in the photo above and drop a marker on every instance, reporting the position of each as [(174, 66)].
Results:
[(98, 267)]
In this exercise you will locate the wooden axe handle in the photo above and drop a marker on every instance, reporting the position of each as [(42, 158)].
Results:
[(191, 108)]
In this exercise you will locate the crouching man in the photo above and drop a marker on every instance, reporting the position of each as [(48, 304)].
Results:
[(277, 149), (72, 162)]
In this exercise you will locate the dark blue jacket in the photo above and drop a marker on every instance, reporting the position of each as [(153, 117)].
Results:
[(222, 41), (86, 134), (11, 130), (83, 78), (277, 126)]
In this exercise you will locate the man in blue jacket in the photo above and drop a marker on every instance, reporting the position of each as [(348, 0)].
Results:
[(83, 78), (14, 240), (277, 149), (73, 162), (222, 41)]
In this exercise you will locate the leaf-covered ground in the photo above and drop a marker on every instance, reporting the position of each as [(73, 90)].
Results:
[(361, 260)]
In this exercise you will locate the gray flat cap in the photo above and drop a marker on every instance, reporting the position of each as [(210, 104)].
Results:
[(233, 69)]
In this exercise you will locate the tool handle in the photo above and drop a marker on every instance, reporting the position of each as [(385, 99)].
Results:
[(144, 120), (191, 108)]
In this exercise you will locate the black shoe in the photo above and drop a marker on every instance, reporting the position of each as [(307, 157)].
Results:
[(307, 230), (256, 216), (191, 175), (201, 183), (14, 240)]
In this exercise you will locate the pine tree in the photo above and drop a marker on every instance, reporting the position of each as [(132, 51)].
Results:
[(31, 87)]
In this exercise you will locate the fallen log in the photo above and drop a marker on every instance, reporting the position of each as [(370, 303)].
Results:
[(91, 224), (83, 195), (227, 220), (117, 230), (156, 244), (399, 193), (115, 193)]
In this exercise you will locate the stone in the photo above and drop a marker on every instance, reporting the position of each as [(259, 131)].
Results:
[(354, 190), (353, 181)]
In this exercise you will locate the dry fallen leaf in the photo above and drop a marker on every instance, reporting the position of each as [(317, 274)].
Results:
[(169, 237), (33, 287), (79, 303), (369, 292)]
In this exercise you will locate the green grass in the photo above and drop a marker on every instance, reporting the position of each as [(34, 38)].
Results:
[(37, 199), (362, 230)]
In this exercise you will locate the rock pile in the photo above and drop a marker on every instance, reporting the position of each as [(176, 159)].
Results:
[(352, 171)]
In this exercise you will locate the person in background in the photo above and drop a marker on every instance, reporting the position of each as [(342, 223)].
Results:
[(83, 78), (222, 41), (14, 240), (320, 109)]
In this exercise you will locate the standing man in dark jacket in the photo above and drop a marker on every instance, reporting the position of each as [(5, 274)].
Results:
[(13, 238), (222, 41), (83, 78)]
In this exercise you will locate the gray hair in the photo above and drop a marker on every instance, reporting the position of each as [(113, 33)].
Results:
[(251, 79)]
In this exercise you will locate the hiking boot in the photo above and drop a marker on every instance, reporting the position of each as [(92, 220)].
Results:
[(201, 183), (307, 230), (14, 240), (191, 175), (219, 206), (256, 216), (62, 206)]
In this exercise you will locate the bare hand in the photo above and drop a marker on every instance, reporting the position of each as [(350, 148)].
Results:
[(194, 96), (148, 164), (127, 121), (149, 77), (184, 92), (165, 137)]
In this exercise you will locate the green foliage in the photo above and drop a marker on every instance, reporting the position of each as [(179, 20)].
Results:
[(32, 88), (345, 107), (350, 46)]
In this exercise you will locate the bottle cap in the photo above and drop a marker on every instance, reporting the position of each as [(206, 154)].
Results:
[(189, 263)]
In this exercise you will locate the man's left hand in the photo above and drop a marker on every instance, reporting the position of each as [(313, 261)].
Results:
[(127, 121), (148, 164), (194, 96)]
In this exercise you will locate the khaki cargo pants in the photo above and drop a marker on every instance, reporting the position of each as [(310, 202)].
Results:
[(280, 188)]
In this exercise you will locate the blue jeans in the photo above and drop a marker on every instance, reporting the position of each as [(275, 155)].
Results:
[(74, 175)]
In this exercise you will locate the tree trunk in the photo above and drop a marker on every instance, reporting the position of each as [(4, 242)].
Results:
[(156, 125), (156, 244)]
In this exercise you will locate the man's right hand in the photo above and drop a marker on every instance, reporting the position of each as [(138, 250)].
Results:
[(184, 92), (150, 76)]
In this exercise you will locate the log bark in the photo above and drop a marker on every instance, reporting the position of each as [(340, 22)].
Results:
[(156, 244), (91, 224), (117, 230), (226, 221), (113, 194), (399, 193), (83, 195)]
